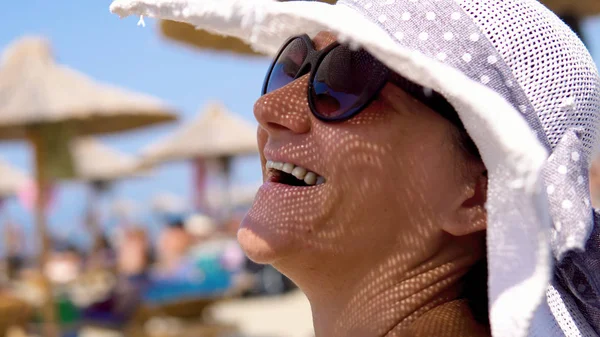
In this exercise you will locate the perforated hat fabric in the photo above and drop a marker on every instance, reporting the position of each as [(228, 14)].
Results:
[(528, 93)]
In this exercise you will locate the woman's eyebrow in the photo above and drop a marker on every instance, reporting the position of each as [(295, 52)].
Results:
[(322, 40), (396, 98)]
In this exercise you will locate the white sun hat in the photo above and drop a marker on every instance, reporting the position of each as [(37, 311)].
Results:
[(528, 93)]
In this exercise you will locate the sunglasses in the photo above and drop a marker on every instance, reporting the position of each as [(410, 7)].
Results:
[(342, 81)]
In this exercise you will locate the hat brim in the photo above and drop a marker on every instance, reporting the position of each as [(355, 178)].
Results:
[(519, 257)]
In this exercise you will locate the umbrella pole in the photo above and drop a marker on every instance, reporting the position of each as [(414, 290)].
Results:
[(226, 199), (202, 169), (50, 329), (92, 219)]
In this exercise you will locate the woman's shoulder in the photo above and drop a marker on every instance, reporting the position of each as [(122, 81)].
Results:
[(453, 319)]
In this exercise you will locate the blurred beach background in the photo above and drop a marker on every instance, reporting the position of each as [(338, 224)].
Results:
[(87, 37)]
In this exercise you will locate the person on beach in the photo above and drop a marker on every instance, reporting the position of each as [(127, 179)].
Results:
[(425, 162)]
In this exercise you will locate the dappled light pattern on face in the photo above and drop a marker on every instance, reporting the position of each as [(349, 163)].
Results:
[(358, 161), (391, 179)]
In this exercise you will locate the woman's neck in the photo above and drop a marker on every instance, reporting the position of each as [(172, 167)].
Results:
[(384, 299)]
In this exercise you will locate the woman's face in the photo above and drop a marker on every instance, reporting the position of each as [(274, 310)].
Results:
[(394, 179)]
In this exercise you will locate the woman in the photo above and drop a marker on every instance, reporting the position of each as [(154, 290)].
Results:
[(388, 168), (366, 215)]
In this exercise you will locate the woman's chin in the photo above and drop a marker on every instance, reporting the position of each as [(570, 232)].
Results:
[(261, 244)]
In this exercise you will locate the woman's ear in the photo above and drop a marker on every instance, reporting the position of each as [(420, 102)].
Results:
[(470, 216)]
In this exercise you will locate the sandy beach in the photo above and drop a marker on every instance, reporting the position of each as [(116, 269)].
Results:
[(278, 316)]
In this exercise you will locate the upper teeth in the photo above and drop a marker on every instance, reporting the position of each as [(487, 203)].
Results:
[(310, 178)]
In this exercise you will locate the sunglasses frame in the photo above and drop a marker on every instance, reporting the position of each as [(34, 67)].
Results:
[(310, 65)]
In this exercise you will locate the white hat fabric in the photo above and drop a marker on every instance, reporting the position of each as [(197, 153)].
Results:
[(528, 93)]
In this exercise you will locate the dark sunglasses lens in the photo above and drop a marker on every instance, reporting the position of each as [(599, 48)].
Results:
[(344, 82), (287, 65)]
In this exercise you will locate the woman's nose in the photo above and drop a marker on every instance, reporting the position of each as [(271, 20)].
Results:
[(285, 109)]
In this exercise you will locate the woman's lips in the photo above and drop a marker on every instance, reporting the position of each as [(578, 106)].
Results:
[(282, 172)]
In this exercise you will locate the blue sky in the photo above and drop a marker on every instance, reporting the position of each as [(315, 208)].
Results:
[(88, 38)]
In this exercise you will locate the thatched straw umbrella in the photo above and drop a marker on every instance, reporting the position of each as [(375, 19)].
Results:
[(211, 142), (48, 104), (215, 133), (571, 11), (99, 163)]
